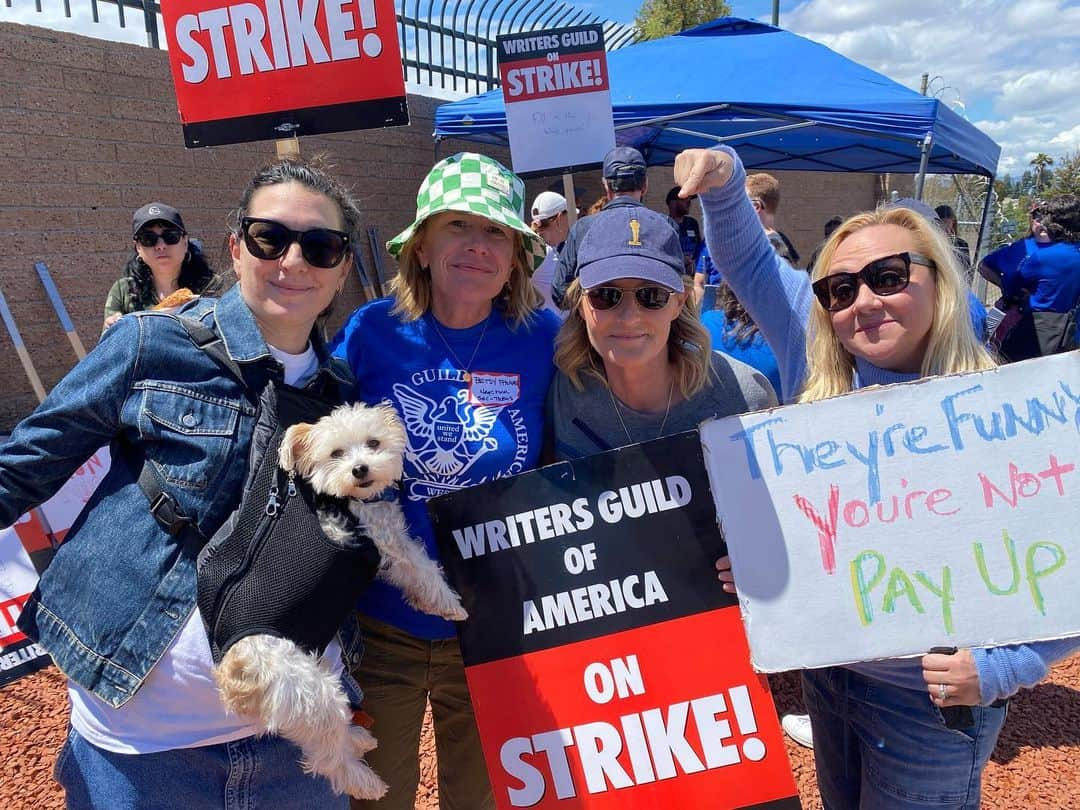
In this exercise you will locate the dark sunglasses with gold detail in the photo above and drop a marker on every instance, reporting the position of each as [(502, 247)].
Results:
[(604, 298), (885, 276)]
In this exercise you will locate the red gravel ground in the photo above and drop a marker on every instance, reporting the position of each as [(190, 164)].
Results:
[(1036, 764)]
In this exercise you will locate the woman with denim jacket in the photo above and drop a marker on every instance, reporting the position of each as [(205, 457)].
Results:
[(116, 609), (886, 303)]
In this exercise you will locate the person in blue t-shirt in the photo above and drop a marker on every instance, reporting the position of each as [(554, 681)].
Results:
[(464, 352), (735, 334), (1040, 273), (1045, 266)]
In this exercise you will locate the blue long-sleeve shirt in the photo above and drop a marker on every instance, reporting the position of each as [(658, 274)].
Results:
[(779, 298)]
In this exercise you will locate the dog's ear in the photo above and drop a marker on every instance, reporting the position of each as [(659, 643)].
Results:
[(387, 412), (390, 416), (294, 449)]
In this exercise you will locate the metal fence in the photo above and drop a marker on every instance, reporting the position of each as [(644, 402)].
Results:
[(449, 44)]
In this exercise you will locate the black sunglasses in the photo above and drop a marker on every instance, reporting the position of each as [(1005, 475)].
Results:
[(148, 239), (885, 276), (269, 239), (604, 298)]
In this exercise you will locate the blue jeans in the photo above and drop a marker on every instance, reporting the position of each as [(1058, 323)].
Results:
[(255, 772), (883, 746)]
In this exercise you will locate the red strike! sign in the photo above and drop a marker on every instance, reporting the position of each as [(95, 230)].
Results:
[(622, 739), (541, 78), (271, 56)]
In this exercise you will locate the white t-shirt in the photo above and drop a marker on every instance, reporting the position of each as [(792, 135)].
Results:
[(178, 705)]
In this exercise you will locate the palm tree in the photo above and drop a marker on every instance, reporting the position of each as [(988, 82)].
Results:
[(1040, 162)]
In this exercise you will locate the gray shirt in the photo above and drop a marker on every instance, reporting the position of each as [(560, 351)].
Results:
[(585, 422)]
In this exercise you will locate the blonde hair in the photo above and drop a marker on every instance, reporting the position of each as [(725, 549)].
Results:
[(952, 347), (689, 346), (411, 286)]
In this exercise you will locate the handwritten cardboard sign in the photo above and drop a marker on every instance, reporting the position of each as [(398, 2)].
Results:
[(266, 69), (607, 667), (25, 551), (557, 98), (944, 512)]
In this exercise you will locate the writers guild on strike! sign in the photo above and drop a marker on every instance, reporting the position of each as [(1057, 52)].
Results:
[(616, 551)]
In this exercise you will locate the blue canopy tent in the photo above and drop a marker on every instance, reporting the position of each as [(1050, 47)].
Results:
[(783, 101)]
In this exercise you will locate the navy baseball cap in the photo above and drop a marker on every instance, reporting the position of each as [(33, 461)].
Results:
[(623, 161), (631, 242), (156, 212)]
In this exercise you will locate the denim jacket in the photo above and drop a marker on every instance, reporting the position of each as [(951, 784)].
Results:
[(121, 587)]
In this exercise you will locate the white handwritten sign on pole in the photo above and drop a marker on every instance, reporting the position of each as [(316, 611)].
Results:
[(944, 512), (557, 98)]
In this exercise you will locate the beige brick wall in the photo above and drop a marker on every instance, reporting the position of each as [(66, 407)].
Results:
[(89, 132)]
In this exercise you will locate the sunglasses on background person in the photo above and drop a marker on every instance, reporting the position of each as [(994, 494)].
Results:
[(148, 239), (543, 223), (269, 239), (885, 276), (605, 298)]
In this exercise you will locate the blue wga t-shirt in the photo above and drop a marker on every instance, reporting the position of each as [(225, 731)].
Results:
[(464, 428)]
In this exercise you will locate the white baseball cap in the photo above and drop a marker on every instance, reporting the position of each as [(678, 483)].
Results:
[(547, 204)]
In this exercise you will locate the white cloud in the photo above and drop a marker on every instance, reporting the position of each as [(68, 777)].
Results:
[(1016, 61)]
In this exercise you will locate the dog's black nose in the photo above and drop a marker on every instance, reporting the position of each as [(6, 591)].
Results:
[(360, 473)]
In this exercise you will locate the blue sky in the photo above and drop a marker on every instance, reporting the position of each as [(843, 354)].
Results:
[(1012, 67)]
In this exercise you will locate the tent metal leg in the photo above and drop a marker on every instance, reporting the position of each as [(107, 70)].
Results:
[(924, 160), (980, 282)]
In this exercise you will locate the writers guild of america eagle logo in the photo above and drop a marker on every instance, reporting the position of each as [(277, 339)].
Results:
[(446, 438)]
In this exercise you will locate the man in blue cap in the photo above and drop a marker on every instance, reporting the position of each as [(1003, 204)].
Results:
[(625, 185)]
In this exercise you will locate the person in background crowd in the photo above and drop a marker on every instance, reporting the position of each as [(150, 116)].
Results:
[(886, 304), (164, 260), (689, 231), (551, 222), (831, 224), (634, 361), (1039, 277), (764, 193), (463, 351), (947, 218), (706, 276), (597, 206), (625, 184), (116, 608), (734, 333)]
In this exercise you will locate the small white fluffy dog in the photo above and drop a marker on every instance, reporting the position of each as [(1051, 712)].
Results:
[(355, 453)]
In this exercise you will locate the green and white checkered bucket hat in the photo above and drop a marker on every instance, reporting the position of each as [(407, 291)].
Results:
[(477, 185)]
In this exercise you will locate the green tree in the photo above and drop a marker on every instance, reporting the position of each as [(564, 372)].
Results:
[(1040, 162), (661, 18), (1066, 178)]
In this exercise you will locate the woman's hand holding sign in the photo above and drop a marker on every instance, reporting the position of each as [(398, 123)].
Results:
[(952, 680), (725, 575)]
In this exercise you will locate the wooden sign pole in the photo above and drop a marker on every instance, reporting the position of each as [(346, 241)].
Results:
[(20, 349), (59, 308)]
